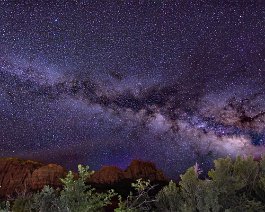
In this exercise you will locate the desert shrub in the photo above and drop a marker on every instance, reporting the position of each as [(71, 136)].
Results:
[(235, 182), (197, 194), (79, 197), (243, 203), (5, 206), (76, 196), (140, 201), (169, 199), (232, 186), (22, 204), (259, 188), (47, 200), (192, 194)]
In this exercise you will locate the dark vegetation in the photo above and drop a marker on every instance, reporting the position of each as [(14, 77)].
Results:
[(231, 186)]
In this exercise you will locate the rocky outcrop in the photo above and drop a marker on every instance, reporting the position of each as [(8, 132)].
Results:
[(47, 175), (15, 175), (20, 176), (145, 170), (136, 170), (107, 175)]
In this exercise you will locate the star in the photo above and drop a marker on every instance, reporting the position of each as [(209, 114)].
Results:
[(99, 83)]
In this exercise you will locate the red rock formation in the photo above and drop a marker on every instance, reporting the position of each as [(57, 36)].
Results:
[(18, 176), (15, 175), (137, 169), (145, 170), (47, 175), (107, 175)]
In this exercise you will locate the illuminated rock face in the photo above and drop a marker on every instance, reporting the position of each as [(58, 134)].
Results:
[(108, 175), (136, 170), (20, 176), (47, 175), (145, 170)]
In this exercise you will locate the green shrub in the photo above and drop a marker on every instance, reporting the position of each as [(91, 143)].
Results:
[(169, 199), (76, 196), (5, 206), (235, 181), (141, 201), (22, 204), (233, 186), (47, 200), (260, 185)]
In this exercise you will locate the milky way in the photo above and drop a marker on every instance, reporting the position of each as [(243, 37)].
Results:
[(107, 82)]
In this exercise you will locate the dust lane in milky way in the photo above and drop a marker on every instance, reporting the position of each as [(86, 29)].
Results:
[(106, 82)]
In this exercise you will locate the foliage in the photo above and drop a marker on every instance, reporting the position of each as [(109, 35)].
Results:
[(232, 186), (22, 204), (235, 181), (47, 200), (169, 198), (5, 206), (260, 186), (77, 196), (141, 201)]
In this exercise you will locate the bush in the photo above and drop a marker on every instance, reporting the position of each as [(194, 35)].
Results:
[(22, 204), (5, 206), (169, 198), (75, 196), (232, 186), (47, 200), (141, 201)]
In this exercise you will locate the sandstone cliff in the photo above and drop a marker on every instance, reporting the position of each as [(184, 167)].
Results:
[(20, 176), (107, 174), (137, 169), (145, 170)]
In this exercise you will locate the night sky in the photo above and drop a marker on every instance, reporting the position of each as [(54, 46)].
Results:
[(106, 82)]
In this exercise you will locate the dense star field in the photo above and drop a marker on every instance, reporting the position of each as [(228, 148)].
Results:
[(105, 82)]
